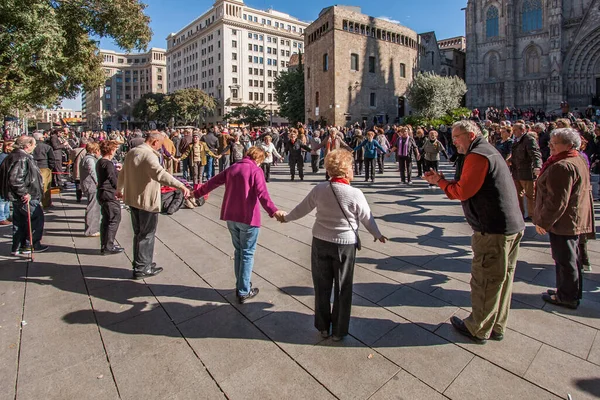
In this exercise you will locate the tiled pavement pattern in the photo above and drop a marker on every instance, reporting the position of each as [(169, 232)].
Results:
[(73, 326)]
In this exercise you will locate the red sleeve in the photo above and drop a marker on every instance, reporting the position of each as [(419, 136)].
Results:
[(471, 180)]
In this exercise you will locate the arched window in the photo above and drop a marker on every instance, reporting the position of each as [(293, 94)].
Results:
[(532, 61), (317, 99), (493, 66), (531, 15), (491, 22)]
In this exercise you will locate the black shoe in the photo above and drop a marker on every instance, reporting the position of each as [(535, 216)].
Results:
[(112, 250), (553, 299), (528, 219), (147, 273), (496, 336), (40, 248), (301, 178), (292, 178), (460, 326), (253, 292)]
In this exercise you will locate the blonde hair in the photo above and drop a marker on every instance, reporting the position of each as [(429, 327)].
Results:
[(256, 154), (92, 148), (338, 162)]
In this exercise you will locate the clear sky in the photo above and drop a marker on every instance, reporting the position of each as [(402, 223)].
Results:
[(445, 17)]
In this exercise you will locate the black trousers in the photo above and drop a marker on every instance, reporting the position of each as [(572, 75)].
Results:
[(21, 224), (332, 267), (421, 166), (584, 258), (369, 169), (358, 167), (78, 192), (297, 162), (565, 253), (431, 164), (405, 164), (144, 228), (266, 167), (380, 162), (110, 210), (314, 163)]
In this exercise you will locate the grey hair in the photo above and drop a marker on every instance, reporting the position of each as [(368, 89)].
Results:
[(567, 136), (467, 126), (23, 141), (38, 136), (155, 135), (539, 125)]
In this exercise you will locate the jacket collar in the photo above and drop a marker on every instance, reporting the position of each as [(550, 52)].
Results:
[(148, 148)]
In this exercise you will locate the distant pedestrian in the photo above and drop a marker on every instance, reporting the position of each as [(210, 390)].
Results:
[(106, 173), (89, 188)]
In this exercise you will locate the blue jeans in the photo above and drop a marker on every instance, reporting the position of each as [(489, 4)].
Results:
[(4, 210), (244, 238), (209, 169), (185, 168)]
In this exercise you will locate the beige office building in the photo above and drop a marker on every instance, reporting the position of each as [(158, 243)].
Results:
[(128, 77), (357, 68), (234, 53)]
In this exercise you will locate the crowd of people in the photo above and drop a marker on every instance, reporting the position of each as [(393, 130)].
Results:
[(507, 173)]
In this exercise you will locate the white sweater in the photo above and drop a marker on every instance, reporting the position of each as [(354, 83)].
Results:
[(270, 150), (330, 224)]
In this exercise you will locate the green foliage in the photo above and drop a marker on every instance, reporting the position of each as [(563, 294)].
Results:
[(289, 92), (433, 96), (188, 106), (151, 107), (448, 119), (248, 115), (46, 48)]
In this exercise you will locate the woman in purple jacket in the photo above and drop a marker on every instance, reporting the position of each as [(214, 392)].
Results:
[(245, 192)]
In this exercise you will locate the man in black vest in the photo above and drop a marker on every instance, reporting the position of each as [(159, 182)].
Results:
[(490, 203)]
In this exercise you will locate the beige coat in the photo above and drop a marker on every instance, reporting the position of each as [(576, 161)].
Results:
[(141, 178)]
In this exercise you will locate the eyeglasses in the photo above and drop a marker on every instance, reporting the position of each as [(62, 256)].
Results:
[(455, 137)]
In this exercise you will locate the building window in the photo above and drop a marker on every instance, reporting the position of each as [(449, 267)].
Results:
[(234, 43), (532, 61), (317, 99), (372, 100), (234, 56), (354, 62), (234, 68), (493, 66), (531, 15), (325, 62), (491, 22), (234, 93), (372, 64), (402, 70)]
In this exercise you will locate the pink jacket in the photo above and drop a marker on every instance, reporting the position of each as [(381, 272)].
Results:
[(245, 188)]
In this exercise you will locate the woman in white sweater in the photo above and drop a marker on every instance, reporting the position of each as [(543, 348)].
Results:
[(269, 148), (340, 210)]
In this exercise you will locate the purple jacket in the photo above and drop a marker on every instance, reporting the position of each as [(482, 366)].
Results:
[(245, 187)]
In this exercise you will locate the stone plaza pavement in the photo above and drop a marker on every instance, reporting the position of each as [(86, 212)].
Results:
[(73, 325)]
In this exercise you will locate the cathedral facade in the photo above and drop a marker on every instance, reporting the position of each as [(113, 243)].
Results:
[(533, 53)]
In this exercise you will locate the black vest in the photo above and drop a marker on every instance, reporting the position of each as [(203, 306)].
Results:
[(495, 207)]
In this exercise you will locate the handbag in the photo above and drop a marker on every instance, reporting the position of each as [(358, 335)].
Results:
[(358, 244)]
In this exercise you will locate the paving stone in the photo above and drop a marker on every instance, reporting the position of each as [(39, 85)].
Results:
[(515, 353), (372, 286), (425, 355), (158, 374), (553, 330), (274, 369), (594, 356), (455, 292), (346, 369), (405, 386), (369, 322), (191, 303), (89, 379), (483, 380), (418, 307), (562, 373)]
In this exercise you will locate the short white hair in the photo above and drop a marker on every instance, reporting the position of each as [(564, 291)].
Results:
[(567, 136), (467, 126)]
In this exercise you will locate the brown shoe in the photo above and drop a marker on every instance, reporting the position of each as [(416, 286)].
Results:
[(5, 223)]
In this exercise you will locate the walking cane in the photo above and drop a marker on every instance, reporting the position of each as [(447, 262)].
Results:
[(30, 231)]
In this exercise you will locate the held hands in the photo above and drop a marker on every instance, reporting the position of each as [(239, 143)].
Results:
[(432, 176), (540, 230), (280, 215), (186, 192), (382, 239), (119, 195), (26, 198)]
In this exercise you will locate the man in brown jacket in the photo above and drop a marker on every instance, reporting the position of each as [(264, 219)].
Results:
[(564, 210), (525, 165)]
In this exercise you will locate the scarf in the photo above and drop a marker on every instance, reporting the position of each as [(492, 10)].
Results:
[(403, 147), (557, 157), (341, 180)]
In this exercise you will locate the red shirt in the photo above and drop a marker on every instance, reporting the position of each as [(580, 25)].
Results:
[(473, 175)]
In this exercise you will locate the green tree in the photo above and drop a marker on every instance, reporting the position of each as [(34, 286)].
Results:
[(152, 107), (289, 92), (433, 96), (49, 48), (252, 115), (189, 105)]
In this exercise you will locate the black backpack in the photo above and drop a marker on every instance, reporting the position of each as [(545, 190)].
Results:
[(171, 202)]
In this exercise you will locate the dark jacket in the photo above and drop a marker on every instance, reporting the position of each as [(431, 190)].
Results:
[(412, 147), (494, 209), (544, 141), (20, 175), (505, 148), (106, 174), (43, 156), (295, 150), (211, 140), (526, 156), (563, 201), (136, 141), (58, 145)]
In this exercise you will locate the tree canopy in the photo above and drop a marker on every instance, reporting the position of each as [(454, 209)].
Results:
[(49, 48), (289, 92), (185, 106), (248, 115), (433, 96)]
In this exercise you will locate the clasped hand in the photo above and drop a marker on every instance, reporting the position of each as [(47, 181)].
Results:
[(280, 216)]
